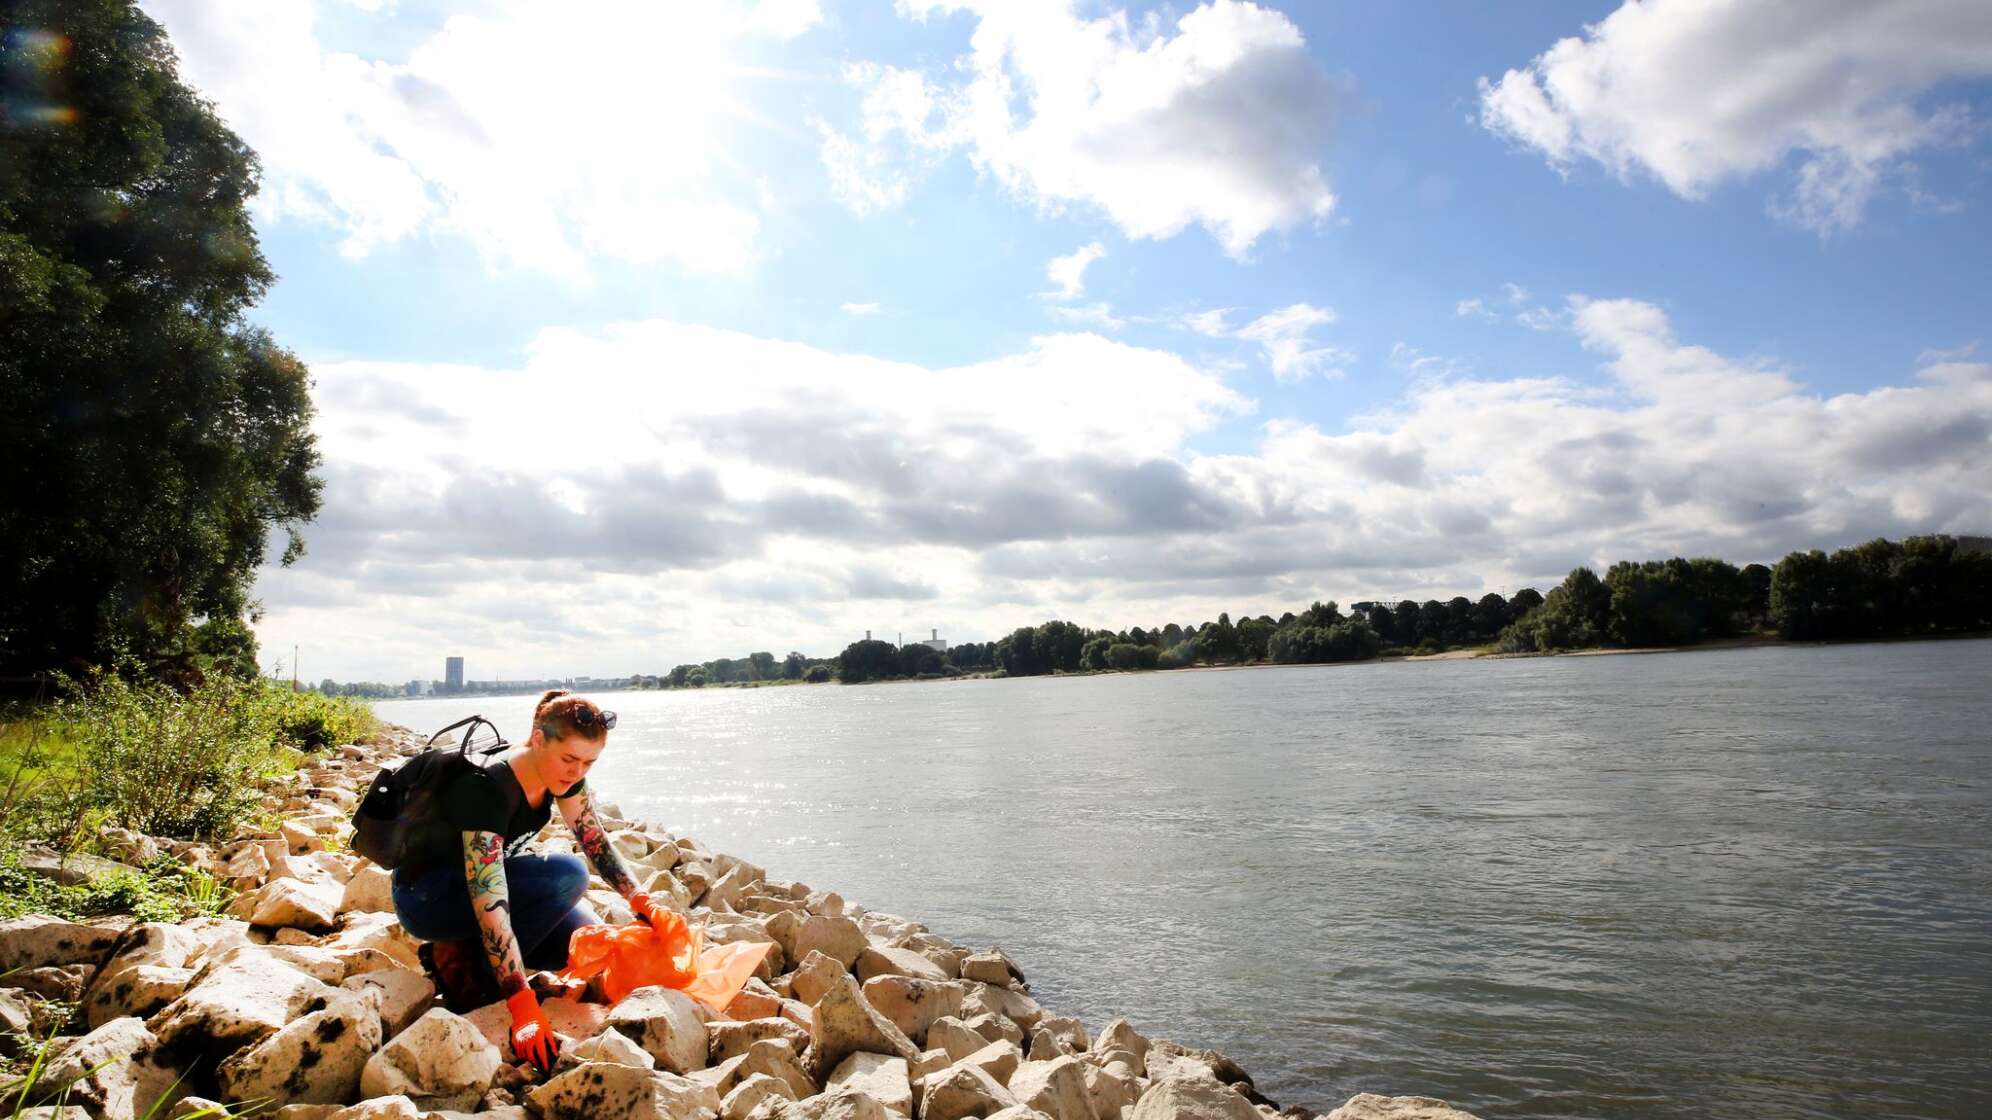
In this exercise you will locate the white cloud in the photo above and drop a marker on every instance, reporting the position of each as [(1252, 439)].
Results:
[(1220, 123), (627, 509), (614, 467), (905, 129), (1097, 314), (1069, 272), (519, 127), (1210, 323), (1475, 308), (1284, 336), (1419, 364), (859, 308), (1515, 293), (1696, 93), (1540, 318)]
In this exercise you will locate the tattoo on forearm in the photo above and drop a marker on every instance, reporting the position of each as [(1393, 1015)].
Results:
[(484, 870), (594, 840)]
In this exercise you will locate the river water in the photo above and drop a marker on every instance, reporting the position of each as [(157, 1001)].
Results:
[(1741, 882)]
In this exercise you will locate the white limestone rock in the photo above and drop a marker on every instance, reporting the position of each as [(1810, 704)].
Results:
[(404, 996), (750, 1092), (814, 976), (886, 1080), (1056, 1088), (1192, 1098), (40, 941), (726, 1039), (315, 1059), (371, 890), (877, 960), (296, 904), (442, 1057), (238, 1003), (609, 1091), (609, 1046), (836, 937), (666, 1023), (118, 1071), (962, 1090), (845, 1024), (1373, 1106)]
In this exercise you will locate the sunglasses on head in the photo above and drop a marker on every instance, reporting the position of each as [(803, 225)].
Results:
[(591, 717)]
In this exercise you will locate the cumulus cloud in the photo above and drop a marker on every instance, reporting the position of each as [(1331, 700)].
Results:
[(652, 492), (519, 127), (1068, 272), (1697, 93), (1218, 121), (1676, 449), (859, 308)]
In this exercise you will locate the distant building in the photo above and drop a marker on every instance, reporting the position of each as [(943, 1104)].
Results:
[(453, 674), (936, 641)]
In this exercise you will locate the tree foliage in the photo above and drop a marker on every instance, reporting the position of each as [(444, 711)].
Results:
[(152, 438), (1919, 586), (868, 660)]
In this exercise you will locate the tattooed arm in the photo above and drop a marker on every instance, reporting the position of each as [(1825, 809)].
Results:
[(484, 868), (594, 840)]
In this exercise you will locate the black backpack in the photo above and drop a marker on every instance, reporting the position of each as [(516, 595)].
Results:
[(400, 802)]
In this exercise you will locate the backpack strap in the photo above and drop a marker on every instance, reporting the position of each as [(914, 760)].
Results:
[(473, 723)]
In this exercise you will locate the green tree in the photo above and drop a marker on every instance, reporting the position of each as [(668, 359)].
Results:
[(152, 438), (763, 664), (1490, 616), (867, 661), (1341, 641), (793, 666), (1094, 656), (1757, 593), (1218, 642), (1574, 615), (918, 659), (1254, 634), (1127, 656)]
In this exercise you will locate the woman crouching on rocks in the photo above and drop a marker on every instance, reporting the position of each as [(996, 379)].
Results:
[(489, 910)]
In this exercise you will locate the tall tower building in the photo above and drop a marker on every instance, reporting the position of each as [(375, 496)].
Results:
[(453, 673)]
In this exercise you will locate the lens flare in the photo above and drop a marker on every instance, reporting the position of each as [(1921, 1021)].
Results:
[(45, 49)]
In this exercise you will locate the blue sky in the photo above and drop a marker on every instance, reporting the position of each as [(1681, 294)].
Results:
[(530, 262)]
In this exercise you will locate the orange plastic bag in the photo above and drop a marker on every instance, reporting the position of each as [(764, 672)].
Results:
[(672, 954)]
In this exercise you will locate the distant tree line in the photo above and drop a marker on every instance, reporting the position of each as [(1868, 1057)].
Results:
[(751, 669), (1916, 587), (1919, 586), (362, 690)]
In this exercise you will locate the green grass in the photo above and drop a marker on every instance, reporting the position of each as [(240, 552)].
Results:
[(112, 751), (164, 890)]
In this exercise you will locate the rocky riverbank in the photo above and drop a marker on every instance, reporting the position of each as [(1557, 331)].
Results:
[(306, 1002)]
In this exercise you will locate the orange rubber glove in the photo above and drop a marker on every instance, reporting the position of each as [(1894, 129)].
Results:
[(532, 1035), (648, 912)]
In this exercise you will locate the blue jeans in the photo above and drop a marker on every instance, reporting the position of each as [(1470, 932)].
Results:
[(545, 894)]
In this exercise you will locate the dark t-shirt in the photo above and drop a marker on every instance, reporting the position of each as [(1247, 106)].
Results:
[(487, 798)]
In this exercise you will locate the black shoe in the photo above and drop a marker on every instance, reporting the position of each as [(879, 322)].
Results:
[(461, 974)]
